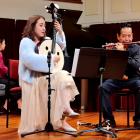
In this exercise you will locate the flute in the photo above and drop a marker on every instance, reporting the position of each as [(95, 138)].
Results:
[(112, 45)]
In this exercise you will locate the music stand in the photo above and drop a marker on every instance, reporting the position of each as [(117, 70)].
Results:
[(99, 63)]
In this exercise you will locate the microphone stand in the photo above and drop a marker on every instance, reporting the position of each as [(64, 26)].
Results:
[(49, 126), (99, 127)]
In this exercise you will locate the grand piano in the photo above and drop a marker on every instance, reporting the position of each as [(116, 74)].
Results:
[(78, 37)]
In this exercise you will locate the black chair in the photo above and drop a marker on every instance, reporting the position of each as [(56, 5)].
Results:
[(2, 93), (126, 92)]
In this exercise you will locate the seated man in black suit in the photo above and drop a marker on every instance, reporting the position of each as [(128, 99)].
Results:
[(124, 36)]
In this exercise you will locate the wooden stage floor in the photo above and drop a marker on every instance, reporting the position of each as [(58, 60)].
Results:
[(92, 117)]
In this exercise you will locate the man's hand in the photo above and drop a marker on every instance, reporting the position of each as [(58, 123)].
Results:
[(119, 46), (125, 77)]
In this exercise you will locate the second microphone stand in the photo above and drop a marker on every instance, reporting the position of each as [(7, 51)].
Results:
[(99, 127)]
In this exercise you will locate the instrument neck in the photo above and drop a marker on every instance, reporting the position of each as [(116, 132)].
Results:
[(53, 39)]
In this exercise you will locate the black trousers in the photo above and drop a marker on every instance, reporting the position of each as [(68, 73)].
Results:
[(111, 85)]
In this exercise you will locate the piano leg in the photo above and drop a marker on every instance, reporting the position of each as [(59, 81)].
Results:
[(84, 94)]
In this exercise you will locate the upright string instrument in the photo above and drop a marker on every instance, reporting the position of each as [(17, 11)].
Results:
[(46, 46), (49, 45)]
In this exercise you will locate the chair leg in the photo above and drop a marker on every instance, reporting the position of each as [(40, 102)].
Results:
[(7, 113), (128, 111)]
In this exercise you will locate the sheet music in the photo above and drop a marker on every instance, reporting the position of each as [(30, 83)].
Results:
[(75, 61)]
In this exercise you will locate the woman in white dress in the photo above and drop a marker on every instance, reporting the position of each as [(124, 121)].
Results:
[(34, 112)]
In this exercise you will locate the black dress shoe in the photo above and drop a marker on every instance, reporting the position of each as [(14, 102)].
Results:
[(137, 123)]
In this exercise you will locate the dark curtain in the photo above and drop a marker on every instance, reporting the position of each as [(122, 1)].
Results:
[(7, 31), (19, 26)]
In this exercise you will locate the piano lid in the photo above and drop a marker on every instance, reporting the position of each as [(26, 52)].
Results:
[(70, 16)]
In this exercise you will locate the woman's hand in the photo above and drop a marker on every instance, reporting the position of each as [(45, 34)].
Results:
[(56, 59), (58, 27)]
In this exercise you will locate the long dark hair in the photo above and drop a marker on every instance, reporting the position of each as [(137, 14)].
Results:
[(2, 38), (30, 25)]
